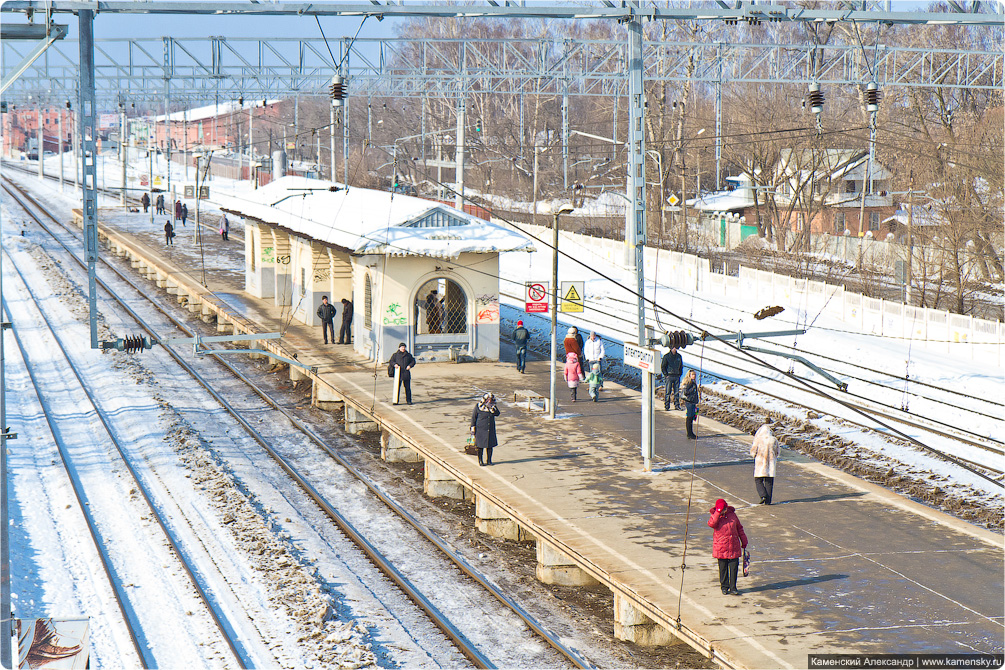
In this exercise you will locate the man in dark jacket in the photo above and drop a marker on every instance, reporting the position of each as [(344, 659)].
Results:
[(145, 201), (672, 368), (405, 361), (520, 338), (168, 233), (184, 213), (345, 332), (326, 312)]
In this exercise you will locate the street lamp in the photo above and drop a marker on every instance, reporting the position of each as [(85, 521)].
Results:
[(563, 209)]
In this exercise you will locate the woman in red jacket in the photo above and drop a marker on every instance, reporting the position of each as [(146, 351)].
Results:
[(728, 542)]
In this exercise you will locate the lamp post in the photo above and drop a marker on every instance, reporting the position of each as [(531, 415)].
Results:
[(564, 209)]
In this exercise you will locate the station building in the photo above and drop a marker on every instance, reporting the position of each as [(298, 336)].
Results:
[(417, 271)]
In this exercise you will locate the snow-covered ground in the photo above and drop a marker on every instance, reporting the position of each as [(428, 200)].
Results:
[(315, 600)]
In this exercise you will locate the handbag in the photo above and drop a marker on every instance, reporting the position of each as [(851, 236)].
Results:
[(469, 447), (746, 557)]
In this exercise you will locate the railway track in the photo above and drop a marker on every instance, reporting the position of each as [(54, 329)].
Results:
[(134, 202), (91, 494), (736, 367), (479, 657)]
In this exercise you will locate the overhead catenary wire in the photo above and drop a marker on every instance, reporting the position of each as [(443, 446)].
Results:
[(744, 352)]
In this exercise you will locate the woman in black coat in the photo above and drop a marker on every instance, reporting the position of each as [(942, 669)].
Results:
[(483, 427)]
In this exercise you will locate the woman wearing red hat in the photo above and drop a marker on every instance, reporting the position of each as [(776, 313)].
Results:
[(728, 543)]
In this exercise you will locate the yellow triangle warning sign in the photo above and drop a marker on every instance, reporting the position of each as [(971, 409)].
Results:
[(572, 294)]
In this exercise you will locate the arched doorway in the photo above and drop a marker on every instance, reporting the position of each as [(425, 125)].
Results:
[(441, 315)]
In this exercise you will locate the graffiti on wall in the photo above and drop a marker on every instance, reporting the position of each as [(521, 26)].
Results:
[(322, 274), (268, 255), (487, 309), (395, 315)]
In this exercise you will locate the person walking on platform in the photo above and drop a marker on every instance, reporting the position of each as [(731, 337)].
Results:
[(728, 543), (145, 201), (345, 332), (573, 373), (225, 234), (579, 341), (160, 204), (520, 338), (184, 213), (405, 361), (596, 381), (326, 312), (593, 351), (572, 345), (690, 390), (765, 450), (483, 427), (168, 233), (672, 367), (177, 209)]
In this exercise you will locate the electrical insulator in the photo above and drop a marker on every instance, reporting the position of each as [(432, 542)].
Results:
[(240, 101), (815, 98), (130, 344), (872, 97), (676, 340), (337, 90)]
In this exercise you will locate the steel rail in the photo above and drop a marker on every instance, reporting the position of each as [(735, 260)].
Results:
[(128, 613), (861, 402), (225, 627), (467, 648), (15, 165)]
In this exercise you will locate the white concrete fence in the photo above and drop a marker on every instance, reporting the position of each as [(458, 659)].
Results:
[(935, 330)]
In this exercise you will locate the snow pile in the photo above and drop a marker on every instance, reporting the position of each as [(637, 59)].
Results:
[(294, 585)]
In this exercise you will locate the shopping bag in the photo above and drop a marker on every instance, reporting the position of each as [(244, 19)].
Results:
[(746, 563), (469, 448)]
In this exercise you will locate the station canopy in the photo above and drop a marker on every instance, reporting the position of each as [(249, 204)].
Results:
[(365, 221)]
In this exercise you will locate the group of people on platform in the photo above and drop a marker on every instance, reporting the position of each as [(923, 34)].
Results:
[(327, 312), (729, 541)]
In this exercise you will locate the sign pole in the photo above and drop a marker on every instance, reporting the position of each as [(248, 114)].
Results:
[(554, 316)]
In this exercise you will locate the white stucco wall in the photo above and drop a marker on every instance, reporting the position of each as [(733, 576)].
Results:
[(394, 295), (260, 280)]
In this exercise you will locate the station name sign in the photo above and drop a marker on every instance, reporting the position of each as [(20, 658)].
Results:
[(641, 358)]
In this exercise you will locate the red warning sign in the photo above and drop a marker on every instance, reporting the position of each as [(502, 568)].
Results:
[(537, 297)]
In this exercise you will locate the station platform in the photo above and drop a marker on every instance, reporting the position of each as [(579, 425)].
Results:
[(838, 565)]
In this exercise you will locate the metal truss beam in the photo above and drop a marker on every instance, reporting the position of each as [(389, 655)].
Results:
[(207, 69), (975, 13)]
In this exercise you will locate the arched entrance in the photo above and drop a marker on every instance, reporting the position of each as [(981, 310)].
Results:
[(441, 316)]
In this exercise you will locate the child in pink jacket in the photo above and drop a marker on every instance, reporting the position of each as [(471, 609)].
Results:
[(573, 373)]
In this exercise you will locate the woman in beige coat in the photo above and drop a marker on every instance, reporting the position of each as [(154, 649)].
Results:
[(765, 450)]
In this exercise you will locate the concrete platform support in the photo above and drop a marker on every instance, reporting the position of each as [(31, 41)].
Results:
[(255, 344), (296, 374), (395, 450), (207, 315), (491, 520), (324, 397), (223, 326), (194, 306), (632, 625), (438, 483), (172, 287), (356, 422), (554, 567)]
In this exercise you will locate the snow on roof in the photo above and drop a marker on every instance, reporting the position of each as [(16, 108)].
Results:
[(723, 201), (210, 111), (365, 221)]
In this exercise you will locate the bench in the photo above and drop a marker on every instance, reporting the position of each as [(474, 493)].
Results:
[(531, 397)]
